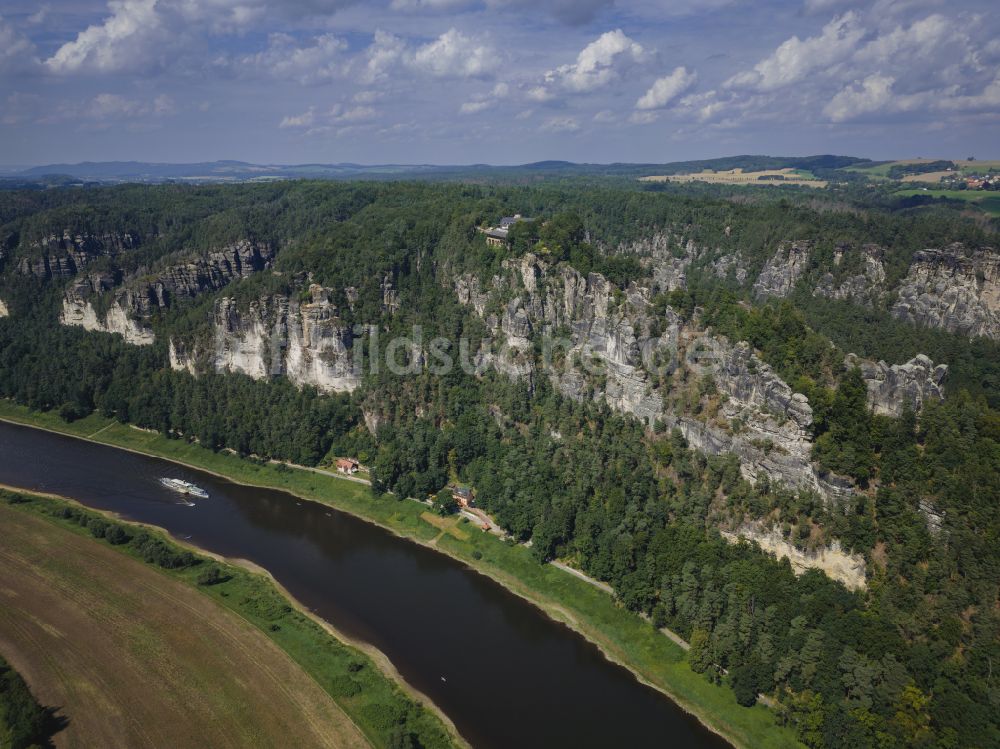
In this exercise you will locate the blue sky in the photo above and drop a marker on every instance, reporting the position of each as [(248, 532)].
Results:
[(496, 81)]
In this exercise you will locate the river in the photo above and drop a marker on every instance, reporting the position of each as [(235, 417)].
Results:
[(506, 674)]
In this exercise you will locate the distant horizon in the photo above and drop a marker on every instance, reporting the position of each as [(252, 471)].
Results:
[(417, 164)]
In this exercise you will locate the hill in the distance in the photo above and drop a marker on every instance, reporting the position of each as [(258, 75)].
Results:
[(241, 171)]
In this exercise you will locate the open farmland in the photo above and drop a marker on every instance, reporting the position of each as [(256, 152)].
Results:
[(132, 657), (739, 177)]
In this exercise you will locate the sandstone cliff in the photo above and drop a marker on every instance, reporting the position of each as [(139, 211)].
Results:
[(783, 270), (952, 290), (833, 560), (865, 287), (63, 256), (204, 274), (78, 308), (603, 343), (892, 388), (278, 336)]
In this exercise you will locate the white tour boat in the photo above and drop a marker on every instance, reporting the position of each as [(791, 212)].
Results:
[(184, 487)]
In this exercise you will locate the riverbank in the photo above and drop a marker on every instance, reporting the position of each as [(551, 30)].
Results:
[(623, 637), (356, 682)]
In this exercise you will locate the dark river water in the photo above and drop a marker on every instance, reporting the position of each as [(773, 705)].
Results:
[(512, 677)]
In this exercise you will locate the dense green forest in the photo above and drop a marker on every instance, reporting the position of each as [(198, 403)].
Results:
[(906, 662)]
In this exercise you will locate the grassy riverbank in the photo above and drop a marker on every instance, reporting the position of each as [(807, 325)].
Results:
[(624, 637), (200, 660)]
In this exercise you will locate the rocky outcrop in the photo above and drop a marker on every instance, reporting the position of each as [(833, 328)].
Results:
[(78, 308), (892, 388), (730, 267), (952, 290), (783, 271), (129, 307), (863, 288), (279, 336), (760, 419), (666, 257), (202, 275), (601, 343), (63, 256), (833, 560)]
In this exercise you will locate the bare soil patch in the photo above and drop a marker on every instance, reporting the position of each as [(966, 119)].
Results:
[(133, 658)]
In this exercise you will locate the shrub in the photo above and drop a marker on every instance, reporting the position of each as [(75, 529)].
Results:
[(344, 686), (212, 576), (116, 535)]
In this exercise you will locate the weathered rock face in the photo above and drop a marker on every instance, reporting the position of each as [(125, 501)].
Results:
[(306, 342), (892, 388), (730, 266), (135, 303), (863, 288), (783, 271), (78, 309), (605, 344), (204, 274), (59, 257), (951, 290), (833, 560), (760, 419)]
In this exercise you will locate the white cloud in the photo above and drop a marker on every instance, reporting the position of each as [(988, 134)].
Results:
[(453, 54), (643, 118), (306, 119), (117, 43), (870, 95), (39, 15), (666, 89), (599, 63), (338, 119), (15, 50), (384, 53), (560, 125), (540, 94), (795, 59), (435, 6), (876, 95), (483, 102), (475, 107), (323, 60), (704, 106)]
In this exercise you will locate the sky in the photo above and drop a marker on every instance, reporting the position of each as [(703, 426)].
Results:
[(495, 81)]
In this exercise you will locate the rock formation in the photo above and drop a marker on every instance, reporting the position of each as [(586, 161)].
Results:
[(602, 343), (4, 312), (863, 288), (204, 274), (952, 290), (279, 336), (78, 308), (61, 257), (892, 388), (783, 270), (833, 560)]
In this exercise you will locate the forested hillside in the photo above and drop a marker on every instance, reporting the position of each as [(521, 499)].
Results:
[(654, 375)]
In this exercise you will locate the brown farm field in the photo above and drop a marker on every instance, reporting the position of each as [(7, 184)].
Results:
[(739, 177), (134, 658)]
